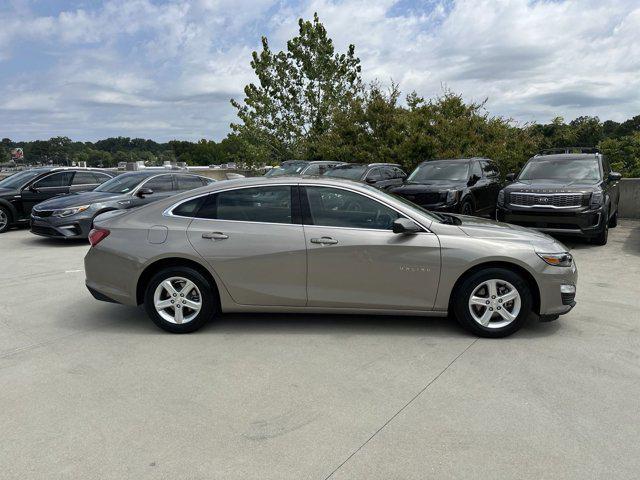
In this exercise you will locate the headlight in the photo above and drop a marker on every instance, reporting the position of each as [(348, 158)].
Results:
[(596, 199), (67, 212), (557, 259), (501, 197), (453, 196)]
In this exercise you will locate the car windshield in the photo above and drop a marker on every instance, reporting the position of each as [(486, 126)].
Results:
[(286, 169), (454, 170), (561, 169), (17, 180), (121, 184), (350, 172)]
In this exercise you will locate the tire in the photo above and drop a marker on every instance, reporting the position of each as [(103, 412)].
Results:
[(5, 219), (168, 318), (602, 236), (613, 221), (467, 208), (477, 285)]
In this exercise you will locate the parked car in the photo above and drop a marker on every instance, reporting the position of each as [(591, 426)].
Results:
[(21, 191), (379, 175), (566, 193), (301, 167), (465, 185), (72, 216), (323, 245)]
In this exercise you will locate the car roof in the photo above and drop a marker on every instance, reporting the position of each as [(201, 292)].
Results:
[(567, 156)]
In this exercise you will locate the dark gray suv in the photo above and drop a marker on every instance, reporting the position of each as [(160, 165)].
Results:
[(72, 216)]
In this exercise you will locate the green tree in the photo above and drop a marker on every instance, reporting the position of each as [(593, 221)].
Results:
[(297, 92)]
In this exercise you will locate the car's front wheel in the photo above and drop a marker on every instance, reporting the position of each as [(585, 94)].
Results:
[(5, 219), (179, 300), (493, 303)]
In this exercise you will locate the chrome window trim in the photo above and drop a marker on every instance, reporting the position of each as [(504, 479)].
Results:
[(168, 212)]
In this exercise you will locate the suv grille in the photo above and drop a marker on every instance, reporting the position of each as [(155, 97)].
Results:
[(427, 198), (41, 213), (558, 200)]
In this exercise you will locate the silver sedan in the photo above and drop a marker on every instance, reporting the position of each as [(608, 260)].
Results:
[(323, 246)]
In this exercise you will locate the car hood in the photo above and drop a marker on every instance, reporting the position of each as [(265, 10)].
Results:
[(434, 186), (484, 228), (8, 192), (551, 186), (78, 199)]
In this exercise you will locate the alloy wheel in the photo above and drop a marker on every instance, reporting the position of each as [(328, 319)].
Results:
[(495, 303), (177, 300), (4, 219)]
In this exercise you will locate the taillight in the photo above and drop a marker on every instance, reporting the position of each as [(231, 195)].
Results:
[(96, 235)]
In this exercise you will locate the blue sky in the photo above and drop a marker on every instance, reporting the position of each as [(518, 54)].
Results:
[(166, 69)]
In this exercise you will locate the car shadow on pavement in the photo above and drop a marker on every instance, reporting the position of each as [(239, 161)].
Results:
[(132, 320)]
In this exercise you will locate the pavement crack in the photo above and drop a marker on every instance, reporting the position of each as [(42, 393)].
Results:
[(401, 409)]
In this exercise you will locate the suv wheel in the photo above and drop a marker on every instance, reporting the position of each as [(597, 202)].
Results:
[(467, 208), (5, 219), (493, 303), (613, 221), (603, 235), (179, 300)]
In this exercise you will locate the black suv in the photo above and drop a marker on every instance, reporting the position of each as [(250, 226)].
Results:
[(21, 191), (461, 185), (563, 193), (380, 175)]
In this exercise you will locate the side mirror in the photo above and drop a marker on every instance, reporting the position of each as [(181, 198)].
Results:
[(143, 192), (404, 225), (510, 177), (615, 176), (33, 188), (370, 181)]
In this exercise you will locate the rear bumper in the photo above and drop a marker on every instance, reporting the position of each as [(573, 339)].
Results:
[(582, 221), (56, 227)]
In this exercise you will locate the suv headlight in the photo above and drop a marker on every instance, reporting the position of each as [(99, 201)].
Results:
[(452, 196), (501, 197), (67, 212), (597, 199), (564, 259)]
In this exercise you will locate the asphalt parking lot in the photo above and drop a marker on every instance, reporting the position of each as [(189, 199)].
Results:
[(95, 390)]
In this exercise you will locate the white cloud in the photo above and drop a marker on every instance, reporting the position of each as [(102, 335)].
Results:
[(163, 70)]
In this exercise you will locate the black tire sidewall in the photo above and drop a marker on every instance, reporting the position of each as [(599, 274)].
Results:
[(460, 301), (466, 203), (208, 303), (602, 236)]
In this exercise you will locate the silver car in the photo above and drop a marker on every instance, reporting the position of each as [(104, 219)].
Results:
[(323, 245)]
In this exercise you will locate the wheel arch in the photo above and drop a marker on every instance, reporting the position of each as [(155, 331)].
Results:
[(13, 212), (515, 268), (160, 264)]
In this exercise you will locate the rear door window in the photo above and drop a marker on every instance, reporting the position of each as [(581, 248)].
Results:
[(256, 204), (84, 178), (188, 182)]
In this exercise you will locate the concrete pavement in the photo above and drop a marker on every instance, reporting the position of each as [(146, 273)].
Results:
[(95, 390)]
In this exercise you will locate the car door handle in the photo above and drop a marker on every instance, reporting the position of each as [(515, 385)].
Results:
[(324, 241), (215, 236)]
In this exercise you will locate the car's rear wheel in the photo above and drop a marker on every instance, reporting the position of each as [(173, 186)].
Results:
[(179, 300), (5, 219), (493, 303)]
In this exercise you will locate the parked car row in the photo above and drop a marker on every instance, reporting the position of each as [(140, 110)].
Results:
[(63, 202), (556, 192)]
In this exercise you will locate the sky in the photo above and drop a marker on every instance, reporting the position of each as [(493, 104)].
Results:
[(91, 69)]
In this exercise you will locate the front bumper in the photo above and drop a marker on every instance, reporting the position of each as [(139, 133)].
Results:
[(57, 227), (551, 280), (582, 221)]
